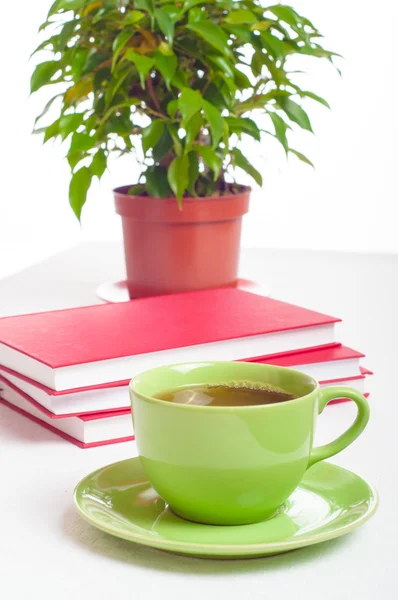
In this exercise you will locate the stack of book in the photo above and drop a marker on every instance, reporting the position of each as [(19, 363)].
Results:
[(69, 369)]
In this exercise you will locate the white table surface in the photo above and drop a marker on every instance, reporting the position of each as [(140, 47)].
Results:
[(48, 551)]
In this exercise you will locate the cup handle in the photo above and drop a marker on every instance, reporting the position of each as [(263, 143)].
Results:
[(331, 393)]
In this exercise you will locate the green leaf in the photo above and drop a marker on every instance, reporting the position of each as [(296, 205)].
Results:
[(180, 79), (120, 124), (240, 32), (94, 59), (214, 96), (223, 64), (47, 107), (305, 94), (64, 36), (196, 14), (65, 5), (119, 43), (178, 177), (228, 82), (188, 4), (77, 62), (286, 14), (78, 188), (167, 66), (295, 113), (240, 17), (163, 147), (259, 101), (165, 23), (242, 162), (273, 44), (105, 13), (177, 145), (212, 34), (190, 102), (132, 17), (91, 122), (69, 123), (74, 158), (44, 26), (43, 45), (215, 120), (71, 4), (278, 74), (172, 9), (210, 157), (192, 129), (81, 142), (193, 172), (302, 157), (98, 164), (151, 134), (172, 108), (51, 131), (143, 63), (243, 125), (157, 184), (165, 48), (226, 135), (317, 51), (280, 129), (103, 77), (42, 74), (145, 5), (257, 63), (242, 80), (306, 21), (262, 25)]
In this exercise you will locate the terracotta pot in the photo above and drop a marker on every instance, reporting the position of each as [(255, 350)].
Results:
[(169, 251)]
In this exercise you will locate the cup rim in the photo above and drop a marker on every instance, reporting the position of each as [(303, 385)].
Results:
[(214, 409)]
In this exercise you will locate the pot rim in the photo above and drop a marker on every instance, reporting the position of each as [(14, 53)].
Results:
[(194, 210), (122, 190)]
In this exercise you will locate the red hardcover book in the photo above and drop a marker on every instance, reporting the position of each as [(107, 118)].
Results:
[(324, 364), (111, 342), (6, 387), (333, 362), (85, 431)]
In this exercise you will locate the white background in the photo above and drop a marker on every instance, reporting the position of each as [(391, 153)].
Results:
[(347, 203)]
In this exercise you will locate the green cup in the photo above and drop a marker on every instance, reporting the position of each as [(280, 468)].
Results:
[(237, 464)]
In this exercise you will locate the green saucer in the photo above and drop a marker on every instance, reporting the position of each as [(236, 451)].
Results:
[(329, 502)]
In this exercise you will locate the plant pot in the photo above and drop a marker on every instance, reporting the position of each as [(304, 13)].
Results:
[(169, 251)]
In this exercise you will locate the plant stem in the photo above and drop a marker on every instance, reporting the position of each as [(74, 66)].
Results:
[(148, 109), (154, 98)]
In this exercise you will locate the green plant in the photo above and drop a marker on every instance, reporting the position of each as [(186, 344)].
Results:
[(176, 81)]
